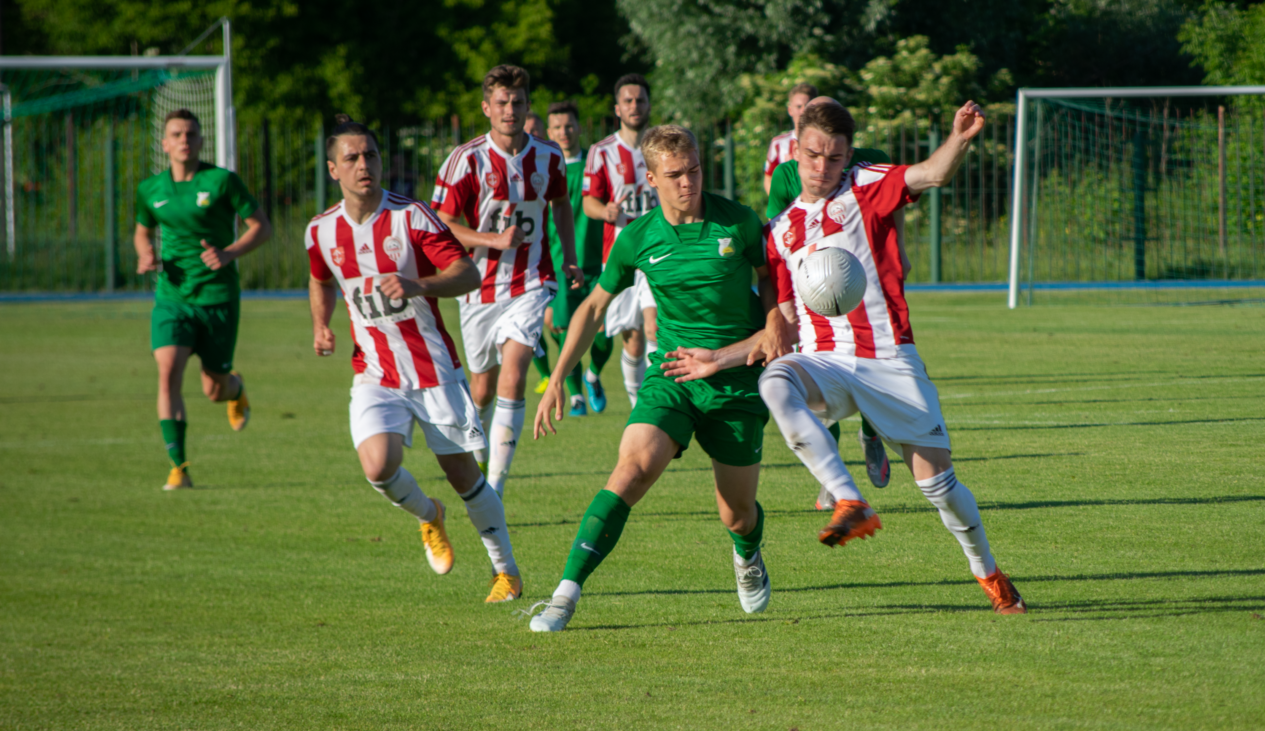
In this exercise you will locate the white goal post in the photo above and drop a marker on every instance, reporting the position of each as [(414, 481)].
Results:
[(1021, 210)]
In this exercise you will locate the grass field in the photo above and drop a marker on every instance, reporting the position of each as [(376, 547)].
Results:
[(1115, 453)]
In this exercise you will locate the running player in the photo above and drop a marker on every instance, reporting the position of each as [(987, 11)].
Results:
[(786, 186), (564, 130), (197, 303), (505, 184), (393, 257), (782, 147), (698, 252), (616, 191), (866, 359), (534, 126)]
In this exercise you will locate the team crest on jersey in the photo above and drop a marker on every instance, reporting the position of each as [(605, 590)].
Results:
[(204, 199), (788, 238), (492, 179), (836, 210), (538, 182), (394, 248), (619, 168), (726, 247), (336, 256)]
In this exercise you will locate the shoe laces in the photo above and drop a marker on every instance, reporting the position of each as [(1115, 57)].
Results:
[(750, 576), (529, 612), (430, 535), (552, 610), (1001, 590)]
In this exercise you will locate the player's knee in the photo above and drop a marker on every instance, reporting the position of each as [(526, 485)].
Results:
[(380, 471), (781, 384)]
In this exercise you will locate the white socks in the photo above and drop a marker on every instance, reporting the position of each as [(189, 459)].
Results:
[(651, 346), (403, 492), (503, 434), (487, 513), (485, 421), (961, 516), (634, 372), (786, 397), (568, 589)]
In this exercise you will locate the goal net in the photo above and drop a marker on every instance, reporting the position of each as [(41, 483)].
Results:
[(79, 134), (1139, 196)]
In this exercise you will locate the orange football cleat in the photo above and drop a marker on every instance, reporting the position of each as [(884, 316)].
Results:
[(505, 588), (435, 539), (851, 519), (239, 408), (1002, 593)]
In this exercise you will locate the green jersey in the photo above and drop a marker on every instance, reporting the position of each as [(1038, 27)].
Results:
[(786, 185), (204, 208), (588, 233), (700, 274)]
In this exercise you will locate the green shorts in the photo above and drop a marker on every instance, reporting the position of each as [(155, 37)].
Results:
[(724, 412), (568, 300), (211, 330)]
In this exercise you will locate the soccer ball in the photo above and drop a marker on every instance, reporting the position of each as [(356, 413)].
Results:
[(831, 281)]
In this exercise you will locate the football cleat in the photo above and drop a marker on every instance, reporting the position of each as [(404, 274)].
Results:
[(597, 395), (178, 478), (505, 588), (753, 583), (852, 519), (577, 407), (876, 464), (543, 385), (435, 539), (825, 501), (557, 613), (1002, 593), (483, 467), (239, 408)]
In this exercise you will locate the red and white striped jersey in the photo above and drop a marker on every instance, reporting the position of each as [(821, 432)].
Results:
[(398, 343), (495, 190), (856, 217), (781, 150), (615, 170)]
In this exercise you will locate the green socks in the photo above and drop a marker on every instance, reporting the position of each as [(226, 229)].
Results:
[(599, 532), (867, 429), (747, 545), (834, 431), (600, 353), (173, 436), (542, 362)]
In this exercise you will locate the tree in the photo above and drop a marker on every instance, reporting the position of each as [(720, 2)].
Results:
[(1228, 42)]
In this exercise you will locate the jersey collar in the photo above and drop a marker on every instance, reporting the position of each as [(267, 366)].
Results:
[(530, 141), (669, 231), (368, 221)]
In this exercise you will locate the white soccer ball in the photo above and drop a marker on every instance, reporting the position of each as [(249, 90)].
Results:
[(831, 281)]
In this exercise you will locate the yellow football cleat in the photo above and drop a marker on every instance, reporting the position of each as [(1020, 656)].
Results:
[(543, 385), (178, 478), (505, 588), (435, 539), (239, 408), (483, 467)]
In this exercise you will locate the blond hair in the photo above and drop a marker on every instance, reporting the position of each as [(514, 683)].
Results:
[(667, 139)]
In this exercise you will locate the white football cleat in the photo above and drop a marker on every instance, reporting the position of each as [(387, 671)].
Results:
[(554, 618), (753, 583)]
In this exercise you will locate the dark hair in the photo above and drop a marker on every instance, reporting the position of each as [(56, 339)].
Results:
[(829, 117), (345, 125), (181, 114), (510, 77), (629, 80), (564, 107), (803, 88)]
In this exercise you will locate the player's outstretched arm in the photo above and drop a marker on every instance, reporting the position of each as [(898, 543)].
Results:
[(460, 277), (322, 295), (510, 238), (585, 322), (258, 230), (143, 240), (938, 169), (564, 224)]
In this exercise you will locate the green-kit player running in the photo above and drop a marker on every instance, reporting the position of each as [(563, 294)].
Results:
[(564, 129), (196, 305), (698, 252), (783, 189)]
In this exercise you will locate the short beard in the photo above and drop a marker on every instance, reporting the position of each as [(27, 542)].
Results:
[(636, 128)]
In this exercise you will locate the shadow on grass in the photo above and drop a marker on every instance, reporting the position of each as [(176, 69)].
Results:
[(1184, 422), (1067, 402)]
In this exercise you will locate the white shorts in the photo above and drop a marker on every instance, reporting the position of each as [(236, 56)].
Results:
[(894, 394), (624, 312), (446, 412), (486, 327)]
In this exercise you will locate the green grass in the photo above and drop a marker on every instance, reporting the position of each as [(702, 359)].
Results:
[(1115, 453)]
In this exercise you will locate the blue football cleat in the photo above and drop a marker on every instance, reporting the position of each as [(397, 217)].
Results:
[(597, 395), (578, 409)]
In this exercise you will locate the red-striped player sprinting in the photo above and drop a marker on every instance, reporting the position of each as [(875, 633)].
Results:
[(392, 257)]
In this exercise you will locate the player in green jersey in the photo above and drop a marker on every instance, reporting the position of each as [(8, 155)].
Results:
[(196, 306), (784, 189), (564, 129), (698, 252)]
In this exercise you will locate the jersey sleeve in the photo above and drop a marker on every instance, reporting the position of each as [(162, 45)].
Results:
[(316, 259), (240, 198), (596, 184), (456, 189), (432, 239), (752, 233), (144, 215), (778, 271), (771, 158), (783, 188), (557, 179), (881, 190), (870, 155), (620, 265)]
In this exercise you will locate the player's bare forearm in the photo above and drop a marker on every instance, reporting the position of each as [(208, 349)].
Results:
[(470, 238), (258, 230), (938, 170), (459, 278), (593, 208), (143, 241), (322, 296), (585, 323)]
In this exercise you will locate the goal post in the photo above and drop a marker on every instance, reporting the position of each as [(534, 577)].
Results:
[(1157, 192)]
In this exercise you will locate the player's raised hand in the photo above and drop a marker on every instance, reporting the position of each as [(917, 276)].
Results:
[(690, 364), (146, 262), (968, 121), (614, 209), (323, 341), (395, 287), (550, 401), (574, 274), (510, 238), (215, 258)]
